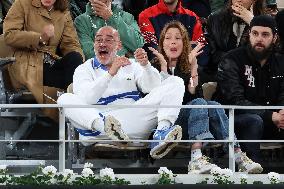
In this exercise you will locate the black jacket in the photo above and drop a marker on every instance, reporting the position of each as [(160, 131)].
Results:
[(221, 38), (186, 77), (242, 81)]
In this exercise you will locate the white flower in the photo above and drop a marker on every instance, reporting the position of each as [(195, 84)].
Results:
[(87, 172), (3, 167), (49, 170), (67, 172), (165, 170), (88, 165), (274, 177), (71, 179), (68, 175), (107, 172)]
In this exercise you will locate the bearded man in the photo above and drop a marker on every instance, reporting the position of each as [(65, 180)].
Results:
[(254, 76)]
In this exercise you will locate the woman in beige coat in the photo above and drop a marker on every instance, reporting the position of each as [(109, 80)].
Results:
[(45, 45)]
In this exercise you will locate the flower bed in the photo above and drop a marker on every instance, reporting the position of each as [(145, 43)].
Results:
[(49, 177)]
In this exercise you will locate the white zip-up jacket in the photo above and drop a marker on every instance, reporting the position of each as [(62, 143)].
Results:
[(93, 84)]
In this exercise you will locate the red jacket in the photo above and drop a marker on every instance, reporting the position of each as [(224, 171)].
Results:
[(152, 20)]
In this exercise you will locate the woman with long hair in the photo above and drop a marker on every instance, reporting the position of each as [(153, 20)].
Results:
[(45, 45), (175, 57)]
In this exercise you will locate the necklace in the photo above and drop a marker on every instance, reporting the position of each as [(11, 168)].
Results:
[(50, 9)]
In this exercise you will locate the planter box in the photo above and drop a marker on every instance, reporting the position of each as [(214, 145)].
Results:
[(176, 186)]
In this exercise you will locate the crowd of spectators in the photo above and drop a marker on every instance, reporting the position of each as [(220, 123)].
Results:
[(165, 49)]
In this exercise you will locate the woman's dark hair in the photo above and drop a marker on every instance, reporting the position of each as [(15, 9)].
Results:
[(61, 5)]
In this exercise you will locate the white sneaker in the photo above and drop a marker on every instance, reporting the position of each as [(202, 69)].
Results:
[(249, 166), (113, 129), (160, 149), (200, 166)]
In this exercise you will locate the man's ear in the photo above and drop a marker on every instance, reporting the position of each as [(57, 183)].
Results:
[(275, 38), (119, 45)]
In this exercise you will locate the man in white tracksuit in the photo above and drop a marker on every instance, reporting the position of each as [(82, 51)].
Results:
[(110, 79)]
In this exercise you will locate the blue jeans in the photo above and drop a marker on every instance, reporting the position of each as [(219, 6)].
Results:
[(204, 124), (250, 127)]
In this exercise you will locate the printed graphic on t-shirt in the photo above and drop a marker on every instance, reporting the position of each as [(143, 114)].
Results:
[(249, 75)]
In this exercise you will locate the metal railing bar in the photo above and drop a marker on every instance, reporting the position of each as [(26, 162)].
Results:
[(18, 106), (147, 141)]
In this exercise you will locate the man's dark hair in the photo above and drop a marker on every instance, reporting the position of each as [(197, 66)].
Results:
[(265, 21)]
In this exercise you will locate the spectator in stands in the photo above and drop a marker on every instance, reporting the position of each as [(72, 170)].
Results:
[(77, 7), (134, 7), (201, 8), (228, 28), (153, 19), (217, 4), (37, 30), (115, 80), (279, 20), (4, 7), (175, 57), (253, 76), (271, 7), (100, 13)]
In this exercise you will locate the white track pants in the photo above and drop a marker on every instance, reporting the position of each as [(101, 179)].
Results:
[(137, 123)]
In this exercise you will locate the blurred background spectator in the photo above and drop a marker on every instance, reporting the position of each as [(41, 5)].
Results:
[(46, 48), (280, 20), (101, 13), (4, 7)]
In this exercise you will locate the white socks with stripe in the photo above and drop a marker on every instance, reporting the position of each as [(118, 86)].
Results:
[(164, 124), (238, 158), (196, 154)]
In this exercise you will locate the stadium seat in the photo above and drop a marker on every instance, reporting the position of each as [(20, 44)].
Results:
[(11, 125)]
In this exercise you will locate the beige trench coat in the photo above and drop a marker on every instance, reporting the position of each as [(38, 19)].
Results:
[(22, 29)]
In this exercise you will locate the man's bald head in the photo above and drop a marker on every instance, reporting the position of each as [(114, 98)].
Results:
[(107, 43), (110, 31)]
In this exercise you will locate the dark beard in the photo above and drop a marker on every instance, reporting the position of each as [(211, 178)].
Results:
[(259, 56)]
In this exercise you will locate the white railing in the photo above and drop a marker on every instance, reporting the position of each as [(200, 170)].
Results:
[(62, 141)]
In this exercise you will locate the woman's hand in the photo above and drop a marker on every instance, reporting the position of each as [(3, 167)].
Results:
[(193, 54), (163, 62), (47, 33), (242, 12)]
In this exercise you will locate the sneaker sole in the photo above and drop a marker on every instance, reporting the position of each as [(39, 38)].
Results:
[(113, 129), (163, 148)]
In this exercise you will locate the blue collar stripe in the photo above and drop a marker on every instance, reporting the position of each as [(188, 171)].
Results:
[(135, 95), (97, 65), (88, 132)]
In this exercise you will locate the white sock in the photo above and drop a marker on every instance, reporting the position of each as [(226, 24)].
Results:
[(98, 125), (164, 124), (238, 158), (196, 154)]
